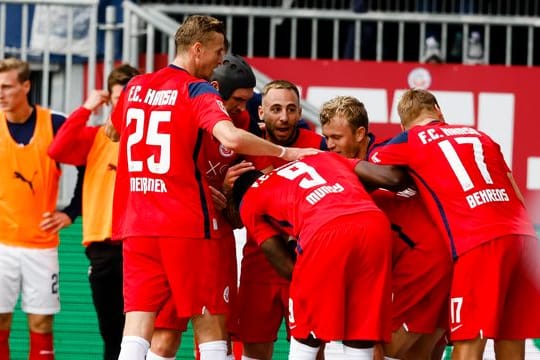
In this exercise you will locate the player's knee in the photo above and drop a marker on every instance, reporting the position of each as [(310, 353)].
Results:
[(165, 342)]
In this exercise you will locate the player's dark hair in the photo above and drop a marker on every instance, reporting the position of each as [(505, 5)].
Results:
[(121, 75), (242, 184), (234, 73)]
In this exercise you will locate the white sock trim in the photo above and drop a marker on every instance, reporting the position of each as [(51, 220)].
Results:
[(213, 350), (133, 348), (153, 356), (299, 351), (357, 353)]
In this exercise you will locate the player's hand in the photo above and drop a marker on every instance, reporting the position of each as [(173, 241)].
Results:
[(233, 173), (219, 199), (96, 99), (54, 222), (292, 153)]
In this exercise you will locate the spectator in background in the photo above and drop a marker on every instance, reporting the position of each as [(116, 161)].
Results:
[(79, 144), (29, 221)]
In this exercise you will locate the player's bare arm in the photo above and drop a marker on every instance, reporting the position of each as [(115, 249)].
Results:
[(275, 250), (244, 142), (390, 177), (96, 99)]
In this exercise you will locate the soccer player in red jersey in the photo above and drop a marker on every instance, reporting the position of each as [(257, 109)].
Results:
[(263, 293), (235, 81), (421, 266), (162, 203), (470, 192), (340, 284)]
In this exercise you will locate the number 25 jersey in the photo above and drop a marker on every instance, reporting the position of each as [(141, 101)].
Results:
[(160, 188)]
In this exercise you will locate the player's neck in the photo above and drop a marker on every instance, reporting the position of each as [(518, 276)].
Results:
[(20, 115), (425, 121)]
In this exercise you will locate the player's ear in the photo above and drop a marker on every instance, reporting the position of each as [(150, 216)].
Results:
[(215, 84)]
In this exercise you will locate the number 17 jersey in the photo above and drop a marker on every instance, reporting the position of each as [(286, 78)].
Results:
[(462, 176), (160, 187)]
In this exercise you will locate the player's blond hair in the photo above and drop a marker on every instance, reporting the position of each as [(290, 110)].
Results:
[(22, 67), (281, 84), (415, 102), (347, 107), (197, 28)]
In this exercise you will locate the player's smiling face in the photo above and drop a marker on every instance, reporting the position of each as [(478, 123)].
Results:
[(340, 137), (281, 112)]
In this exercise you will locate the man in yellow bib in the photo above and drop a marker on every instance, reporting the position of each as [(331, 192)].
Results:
[(29, 223)]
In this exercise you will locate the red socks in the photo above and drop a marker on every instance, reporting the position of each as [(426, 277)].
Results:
[(41, 346), (4, 344)]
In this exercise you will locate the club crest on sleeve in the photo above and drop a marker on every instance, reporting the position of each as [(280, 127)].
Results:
[(223, 151), (222, 106)]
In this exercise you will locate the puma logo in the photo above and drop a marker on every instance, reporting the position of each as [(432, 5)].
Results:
[(21, 177), (111, 167)]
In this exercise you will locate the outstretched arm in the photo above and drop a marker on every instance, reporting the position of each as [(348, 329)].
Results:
[(276, 252), (246, 143), (390, 177)]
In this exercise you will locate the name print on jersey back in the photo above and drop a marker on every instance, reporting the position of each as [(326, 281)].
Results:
[(477, 198), (465, 136), (462, 176)]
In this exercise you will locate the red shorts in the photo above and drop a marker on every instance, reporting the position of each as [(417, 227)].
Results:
[(167, 319), (341, 286), (496, 291), (421, 279), (261, 309), (156, 268)]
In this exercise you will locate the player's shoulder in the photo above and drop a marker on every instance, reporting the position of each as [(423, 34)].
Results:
[(308, 138)]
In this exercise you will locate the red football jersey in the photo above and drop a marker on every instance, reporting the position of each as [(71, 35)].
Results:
[(462, 176), (217, 159), (298, 198), (160, 186), (253, 258)]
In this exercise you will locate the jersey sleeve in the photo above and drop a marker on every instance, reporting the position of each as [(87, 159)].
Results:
[(74, 139), (395, 152), (257, 227), (208, 107)]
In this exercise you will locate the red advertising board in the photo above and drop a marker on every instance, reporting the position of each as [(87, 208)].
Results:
[(501, 101)]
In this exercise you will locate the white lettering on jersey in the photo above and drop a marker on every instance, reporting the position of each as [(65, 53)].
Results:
[(318, 194), (486, 196), (160, 97), (146, 184)]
